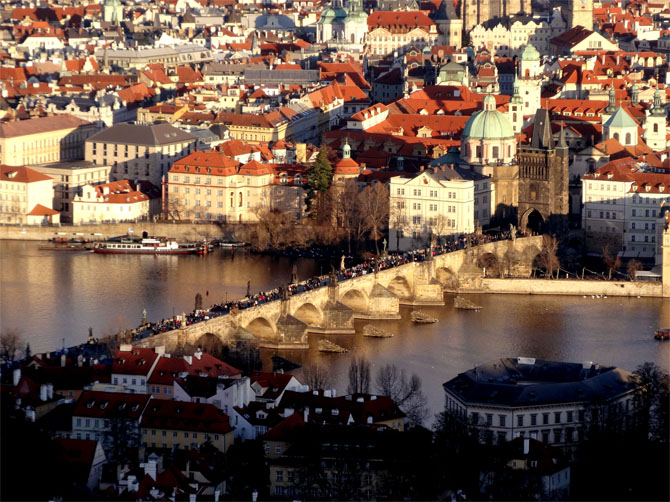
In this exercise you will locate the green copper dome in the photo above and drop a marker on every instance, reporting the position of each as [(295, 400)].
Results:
[(530, 54), (488, 123)]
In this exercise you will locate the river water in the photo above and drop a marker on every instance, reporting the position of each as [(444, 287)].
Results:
[(53, 297)]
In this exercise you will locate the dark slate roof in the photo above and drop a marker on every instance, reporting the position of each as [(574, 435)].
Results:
[(517, 382), (150, 135), (542, 135)]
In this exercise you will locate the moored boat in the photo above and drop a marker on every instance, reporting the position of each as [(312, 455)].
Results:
[(147, 245), (662, 334)]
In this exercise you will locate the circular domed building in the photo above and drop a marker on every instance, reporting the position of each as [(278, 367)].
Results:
[(488, 137)]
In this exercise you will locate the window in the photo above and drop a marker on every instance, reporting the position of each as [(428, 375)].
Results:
[(277, 449), (533, 419), (557, 417), (280, 475), (519, 420), (545, 418), (489, 419), (501, 419), (475, 417)]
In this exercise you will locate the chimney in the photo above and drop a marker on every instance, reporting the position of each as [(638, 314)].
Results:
[(50, 391), (526, 445), (63, 361), (198, 354), (305, 414), (16, 376), (43, 392)]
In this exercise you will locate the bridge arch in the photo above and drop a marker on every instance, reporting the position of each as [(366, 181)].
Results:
[(210, 343), (309, 313), (490, 263), (356, 300), (400, 287), (447, 278), (262, 328)]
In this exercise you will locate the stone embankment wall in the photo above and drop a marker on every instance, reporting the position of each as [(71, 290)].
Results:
[(183, 231), (565, 287)]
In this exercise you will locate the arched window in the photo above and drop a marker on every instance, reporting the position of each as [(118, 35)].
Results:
[(239, 199), (628, 139), (616, 136)]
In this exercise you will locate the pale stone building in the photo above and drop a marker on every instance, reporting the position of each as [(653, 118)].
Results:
[(508, 40), (397, 32), (580, 13), (69, 179), (26, 197), (621, 204), (440, 202), (529, 80), (46, 139), (211, 186), (139, 152), (110, 203), (347, 27)]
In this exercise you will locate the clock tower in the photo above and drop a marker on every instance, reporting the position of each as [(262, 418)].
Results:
[(580, 13)]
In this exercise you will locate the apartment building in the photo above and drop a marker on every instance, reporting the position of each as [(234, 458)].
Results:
[(26, 197), (112, 202), (621, 205), (139, 152), (45, 139), (440, 202), (69, 181)]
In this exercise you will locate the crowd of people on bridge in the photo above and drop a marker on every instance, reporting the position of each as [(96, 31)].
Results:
[(387, 261)]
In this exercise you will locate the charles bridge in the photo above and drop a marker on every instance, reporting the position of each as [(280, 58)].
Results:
[(332, 309)]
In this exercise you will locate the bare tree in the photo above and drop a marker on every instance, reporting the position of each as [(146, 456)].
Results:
[(174, 209), (375, 207), (612, 262), (405, 392), (549, 255), (10, 345), (633, 267), (359, 376), (317, 376), (398, 217), (654, 401)]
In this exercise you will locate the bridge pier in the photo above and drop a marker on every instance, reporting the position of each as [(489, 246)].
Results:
[(427, 289)]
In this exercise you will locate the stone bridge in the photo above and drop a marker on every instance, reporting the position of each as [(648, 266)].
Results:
[(332, 309)]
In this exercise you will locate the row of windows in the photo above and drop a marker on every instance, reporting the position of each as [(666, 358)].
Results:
[(133, 381), (533, 418), (175, 434)]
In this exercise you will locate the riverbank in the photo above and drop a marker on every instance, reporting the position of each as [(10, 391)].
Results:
[(566, 287), (187, 232)]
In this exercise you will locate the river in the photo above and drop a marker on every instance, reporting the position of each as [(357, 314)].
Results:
[(53, 297)]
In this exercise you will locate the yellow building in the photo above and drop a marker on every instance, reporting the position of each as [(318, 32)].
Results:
[(46, 139), (166, 424), (212, 186), (256, 129)]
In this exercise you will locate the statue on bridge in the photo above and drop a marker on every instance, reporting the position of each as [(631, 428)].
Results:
[(294, 274), (332, 277), (342, 266), (512, 231)]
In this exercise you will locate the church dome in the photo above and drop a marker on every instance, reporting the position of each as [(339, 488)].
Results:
[(530, 53), (488, 123)]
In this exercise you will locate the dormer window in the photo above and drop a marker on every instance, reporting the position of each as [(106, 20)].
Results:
[(90, 404), (104, 405), (647, 188), (122, 406), (135, 407)]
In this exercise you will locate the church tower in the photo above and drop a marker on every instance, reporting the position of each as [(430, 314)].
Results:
[(655, 129), (580, 13), (529, 80), (514, 109)]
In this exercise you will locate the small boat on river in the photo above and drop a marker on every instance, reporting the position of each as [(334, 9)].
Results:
[(375, 332), (147, 245), (64, 247), (422, 318), (662, 334)]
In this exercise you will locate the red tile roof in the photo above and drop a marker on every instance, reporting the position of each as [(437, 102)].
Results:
[(137, 361), (97, 404), (184, 416), (21, 174)]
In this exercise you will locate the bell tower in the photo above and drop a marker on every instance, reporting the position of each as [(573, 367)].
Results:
[(580, 13)]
